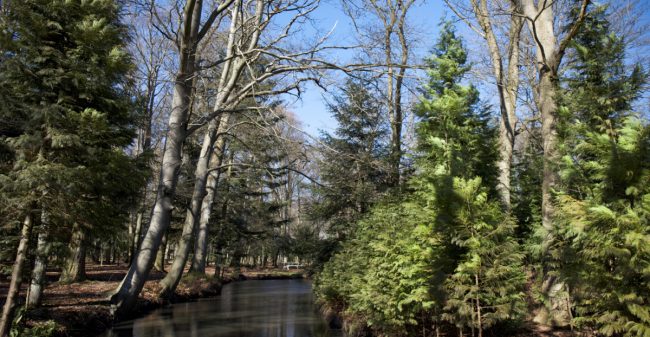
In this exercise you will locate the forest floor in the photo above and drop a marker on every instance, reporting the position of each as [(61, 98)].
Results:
[(83, 308)]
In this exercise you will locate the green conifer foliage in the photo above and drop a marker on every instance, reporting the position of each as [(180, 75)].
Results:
[(384, 272), (444, 250), (454, 131), (458, 144), (353, 167), (487, 284), (605, 201), (67, 115), (607, 236)]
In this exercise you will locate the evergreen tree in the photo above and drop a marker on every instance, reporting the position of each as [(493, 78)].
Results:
[(454, 131), (353, 167), (605, 198), (486, 286), (606, 246), (458, 147), (444, 250), (67, 115)]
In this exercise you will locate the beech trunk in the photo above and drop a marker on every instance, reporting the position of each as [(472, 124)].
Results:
[(159, 265), (201, 244), (127, 292), (173, 277), (549, 55)]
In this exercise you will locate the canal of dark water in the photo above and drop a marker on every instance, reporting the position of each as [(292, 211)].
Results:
[(265, 308)]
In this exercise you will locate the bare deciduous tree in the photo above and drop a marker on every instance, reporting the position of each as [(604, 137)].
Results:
[(541, 19), (392, 47), (188, 37)]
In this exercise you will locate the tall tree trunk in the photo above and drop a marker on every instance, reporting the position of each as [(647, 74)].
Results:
[(127, 292), (229, 77), (507, 86), (201, 244), (399, 84), (548, 110), (393, 17), (555, 313), (395, 124), (131, 235), (549, 55), (236, 261), (74, 267), (35, 290), (16, 277), (218, 261), (173, 277)]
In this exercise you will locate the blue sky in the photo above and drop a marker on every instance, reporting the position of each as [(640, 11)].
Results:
[(311, 109)]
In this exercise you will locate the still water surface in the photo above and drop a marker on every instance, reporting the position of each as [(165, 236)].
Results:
[(268, 308)]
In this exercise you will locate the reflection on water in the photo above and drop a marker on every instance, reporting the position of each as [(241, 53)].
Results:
[(270, 308)]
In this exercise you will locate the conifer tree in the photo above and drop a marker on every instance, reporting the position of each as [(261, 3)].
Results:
[(458, 146), (454, 133), (64, 79), (353, 169), (604, 254), (444, 250)]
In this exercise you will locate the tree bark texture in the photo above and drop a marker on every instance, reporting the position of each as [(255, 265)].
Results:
[(201, 243), (230, 73), (549, 53), (173, 277), (159, 265), (137, 234), (507, 80), (74, 266), (35, 290), (228, 79), (392, 15), (127, 292)]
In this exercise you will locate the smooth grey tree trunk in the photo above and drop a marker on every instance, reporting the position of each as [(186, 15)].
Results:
[(137, 234), (549, 55), (127, 292), (170, 281), (218, 262), (228, 79), (507, 80), (131, 235), (393, 18), (16, 277), (35, 290), (201, 243)]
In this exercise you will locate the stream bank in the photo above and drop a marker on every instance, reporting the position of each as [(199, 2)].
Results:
[(82, 309)]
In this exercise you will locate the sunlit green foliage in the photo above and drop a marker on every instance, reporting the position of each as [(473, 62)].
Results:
[(428, 256), (604, 208), (487, 283), (384, 272), (607, 233)]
